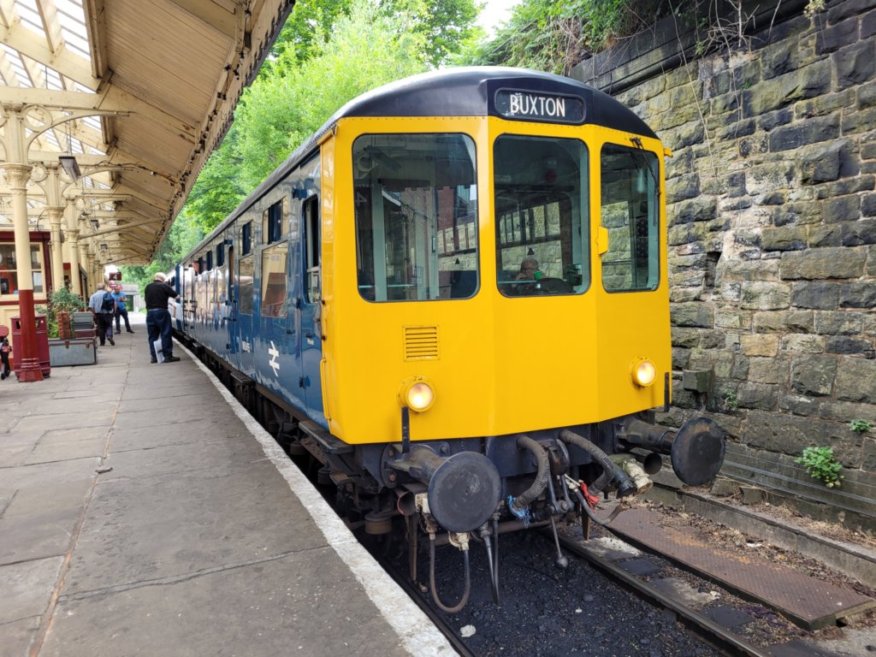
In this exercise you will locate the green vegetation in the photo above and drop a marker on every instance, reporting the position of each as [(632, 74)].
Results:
[(821, 464), (860, 426), (554, 35), (60, 301), (328, 52)]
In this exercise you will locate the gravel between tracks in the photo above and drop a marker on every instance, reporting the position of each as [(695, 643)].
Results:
[(546, 611)]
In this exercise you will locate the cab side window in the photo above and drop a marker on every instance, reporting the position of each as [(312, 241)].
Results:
[(310, 211)]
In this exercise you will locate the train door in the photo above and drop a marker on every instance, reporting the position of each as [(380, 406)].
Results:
[(310, 333), (244, 298), (276, 352)]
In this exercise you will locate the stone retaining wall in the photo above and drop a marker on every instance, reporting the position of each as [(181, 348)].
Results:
[(771, 198)]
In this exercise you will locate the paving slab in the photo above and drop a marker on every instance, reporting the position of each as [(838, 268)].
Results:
[(278, 610), (24, 587)]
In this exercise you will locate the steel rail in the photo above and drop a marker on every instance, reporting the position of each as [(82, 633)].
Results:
[(709, 629)]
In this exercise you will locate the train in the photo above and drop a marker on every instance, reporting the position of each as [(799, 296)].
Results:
[(454, 298)]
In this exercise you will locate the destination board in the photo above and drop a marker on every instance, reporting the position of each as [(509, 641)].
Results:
[(533, 106)]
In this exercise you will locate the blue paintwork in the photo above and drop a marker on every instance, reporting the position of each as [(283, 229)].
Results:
[(282, 354)]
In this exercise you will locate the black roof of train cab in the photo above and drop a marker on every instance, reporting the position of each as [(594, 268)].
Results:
[(512, 93)]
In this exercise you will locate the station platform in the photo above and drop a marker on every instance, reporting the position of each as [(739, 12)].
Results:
[(143, 512)]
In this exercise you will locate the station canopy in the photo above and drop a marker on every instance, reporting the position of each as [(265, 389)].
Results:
[(138, 92)]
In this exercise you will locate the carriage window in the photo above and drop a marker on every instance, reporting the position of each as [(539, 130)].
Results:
[(246, 238), (630, 215), (272, 223), (416, 217), (541, 216), (245, 285), (274, 281)]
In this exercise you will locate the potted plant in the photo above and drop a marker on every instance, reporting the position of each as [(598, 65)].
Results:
[(62, 303), (67, 345)]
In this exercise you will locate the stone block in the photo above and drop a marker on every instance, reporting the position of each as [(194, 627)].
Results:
[(858, 295), (868, 25), (770, 322), (856, 381), (845, 208), (821, 295), (859, 122), (825, 236), (828, 262), (762, 396), (822, 105), (842, 10), (868, 203), (697, 380), (850, 182), (682, 188), (693, 210), (855, 64), (867, 92), (836, 36), (712, 339), (839, 323), (858, 233), (748, 270), (685, 337), (768, 370), (692, 314), (772, 120), (842, 411), (842, 344), (784, 238), (800, 405), (821, 162), (814, 375), (802, 343), (760, 344), (789, 434), (761, 295), (869, 455), (680, 358), (806, 82), (732, 319), (809, 132)]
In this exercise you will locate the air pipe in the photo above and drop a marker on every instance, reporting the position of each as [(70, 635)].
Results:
[(610, 471), (519, 506)]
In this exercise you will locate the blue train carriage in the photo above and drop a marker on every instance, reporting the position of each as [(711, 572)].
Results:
[(455, 296)]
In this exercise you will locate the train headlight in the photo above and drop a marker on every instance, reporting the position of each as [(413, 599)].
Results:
[(418, 396), (644, 373)]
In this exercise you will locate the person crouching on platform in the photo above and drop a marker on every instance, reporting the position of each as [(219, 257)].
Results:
[(158, 323), (103, 306)]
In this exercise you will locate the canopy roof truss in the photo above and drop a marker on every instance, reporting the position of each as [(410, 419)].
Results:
[(139, 91)]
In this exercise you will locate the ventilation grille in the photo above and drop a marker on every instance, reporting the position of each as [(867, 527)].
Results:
[(421, 342)]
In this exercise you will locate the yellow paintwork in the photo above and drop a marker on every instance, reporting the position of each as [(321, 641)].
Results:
[(505, 365)]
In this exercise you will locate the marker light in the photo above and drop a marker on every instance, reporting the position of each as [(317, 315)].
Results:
[(644, 373), (419, 397)]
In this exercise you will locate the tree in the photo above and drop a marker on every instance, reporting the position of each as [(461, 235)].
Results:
[(328, 52)]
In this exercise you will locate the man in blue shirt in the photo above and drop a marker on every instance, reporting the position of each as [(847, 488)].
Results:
[(121, 309), (104, 307)]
